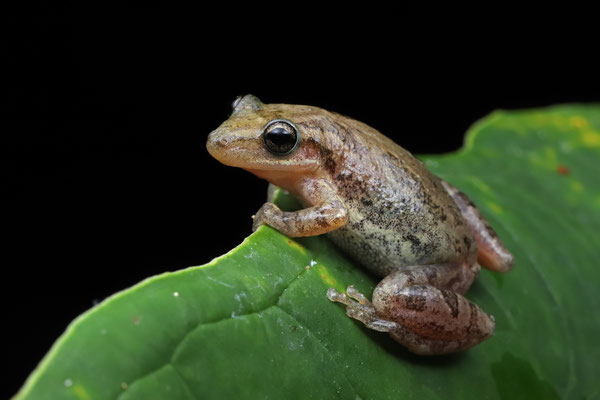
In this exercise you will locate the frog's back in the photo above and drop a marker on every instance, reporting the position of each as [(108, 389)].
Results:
[(399, 212)]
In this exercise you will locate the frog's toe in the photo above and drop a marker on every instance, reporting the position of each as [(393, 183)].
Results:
[(352, 299), (334, 296), (352, 292), (360, 308)]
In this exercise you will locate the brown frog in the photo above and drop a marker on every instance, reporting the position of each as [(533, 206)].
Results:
[(379, 204)]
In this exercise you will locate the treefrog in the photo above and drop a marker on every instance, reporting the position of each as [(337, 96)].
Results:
[(380, 205)]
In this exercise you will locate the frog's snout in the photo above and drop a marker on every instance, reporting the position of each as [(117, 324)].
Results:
[(216, 143)]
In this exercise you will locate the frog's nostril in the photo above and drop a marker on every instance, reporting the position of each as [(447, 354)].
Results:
[(217, 139)]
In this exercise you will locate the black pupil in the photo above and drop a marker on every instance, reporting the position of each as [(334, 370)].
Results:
[(280, 139)]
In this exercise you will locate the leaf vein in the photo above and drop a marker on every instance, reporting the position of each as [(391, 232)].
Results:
[(323, 347), (204, 323)]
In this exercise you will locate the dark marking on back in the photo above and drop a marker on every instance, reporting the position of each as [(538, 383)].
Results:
[(467, 241), (327, 156), (366, 202), (414, 241)]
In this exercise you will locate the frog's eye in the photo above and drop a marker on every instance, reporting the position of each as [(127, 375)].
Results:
[(280, 137)]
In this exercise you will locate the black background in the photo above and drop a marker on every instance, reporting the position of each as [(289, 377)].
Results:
[(105, 176)]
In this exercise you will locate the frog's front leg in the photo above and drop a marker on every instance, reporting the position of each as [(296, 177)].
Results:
[(422, 308), (327, 212)]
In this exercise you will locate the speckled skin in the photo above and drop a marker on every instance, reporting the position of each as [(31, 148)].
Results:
[(383, 207)]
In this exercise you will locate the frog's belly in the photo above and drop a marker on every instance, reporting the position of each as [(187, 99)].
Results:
[(383, 250)]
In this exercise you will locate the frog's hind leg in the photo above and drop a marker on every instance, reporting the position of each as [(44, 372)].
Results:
[(492, 253), (422, 308)]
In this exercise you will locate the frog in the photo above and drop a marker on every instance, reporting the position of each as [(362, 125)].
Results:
[(373, 199)]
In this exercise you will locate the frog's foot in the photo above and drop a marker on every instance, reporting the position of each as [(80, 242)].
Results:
[(361, 309), (420, 308)]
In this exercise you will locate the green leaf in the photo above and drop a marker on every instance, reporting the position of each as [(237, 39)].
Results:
[(255, 323)]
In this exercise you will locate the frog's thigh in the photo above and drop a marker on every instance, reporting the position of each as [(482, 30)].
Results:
[(432, 317)]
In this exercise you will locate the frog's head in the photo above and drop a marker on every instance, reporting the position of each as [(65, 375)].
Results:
[(277, 142)]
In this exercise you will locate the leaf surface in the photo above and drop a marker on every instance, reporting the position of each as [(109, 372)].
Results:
[(255, 323)]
